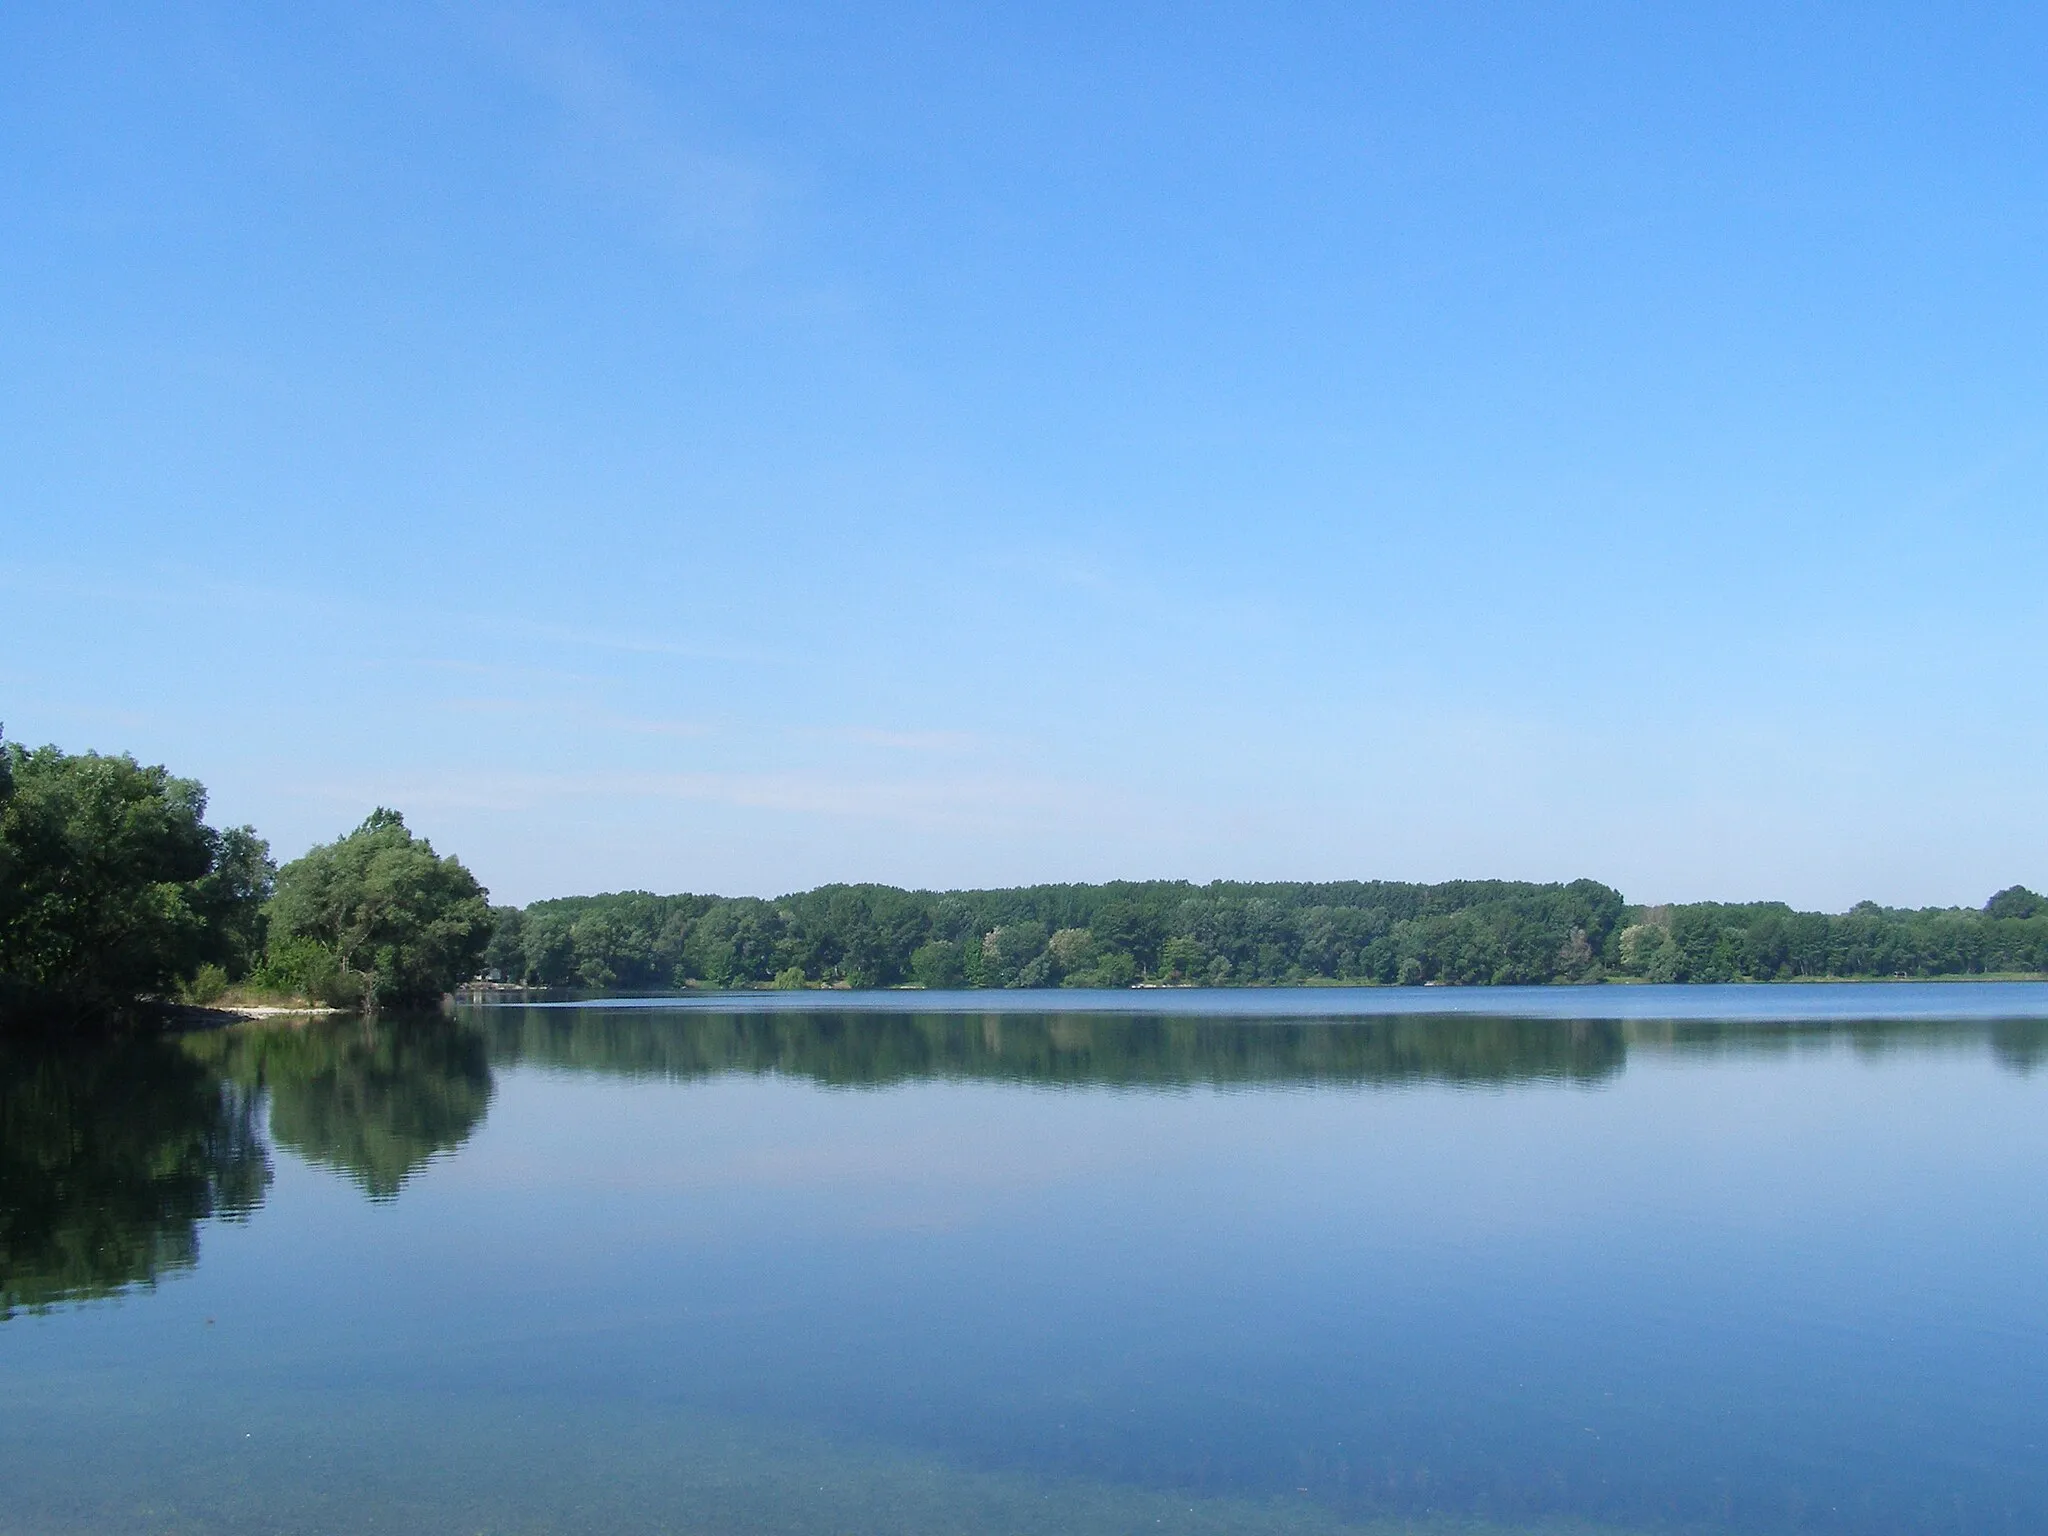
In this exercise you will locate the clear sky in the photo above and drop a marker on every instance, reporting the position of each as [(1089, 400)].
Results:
[(733, 448)]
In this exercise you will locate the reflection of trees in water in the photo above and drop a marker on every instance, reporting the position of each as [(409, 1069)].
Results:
[(2021, 1044), (2017, 1044), (110, 1156), (1077, 1048), (112, 1153), (1136, 1050), (374, 1099)]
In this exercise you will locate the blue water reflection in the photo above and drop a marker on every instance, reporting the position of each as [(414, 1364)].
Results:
[(656, 1267)]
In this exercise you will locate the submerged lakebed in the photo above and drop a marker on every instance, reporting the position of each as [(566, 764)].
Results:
[(1744, 1259)]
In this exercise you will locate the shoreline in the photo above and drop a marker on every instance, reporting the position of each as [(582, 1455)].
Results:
[(485, 992)]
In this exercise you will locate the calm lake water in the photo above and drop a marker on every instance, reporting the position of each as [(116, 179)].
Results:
[(1767, 1259)]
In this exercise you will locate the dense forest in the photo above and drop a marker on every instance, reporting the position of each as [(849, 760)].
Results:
[(117, 898), (1461, 932)]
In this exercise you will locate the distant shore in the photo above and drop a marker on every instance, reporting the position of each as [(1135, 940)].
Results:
[(511, 992)]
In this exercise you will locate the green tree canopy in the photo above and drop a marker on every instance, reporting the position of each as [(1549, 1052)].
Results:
[(401, 925), (1457, 933), (112, 885), (2016, 901), (1268, 933)]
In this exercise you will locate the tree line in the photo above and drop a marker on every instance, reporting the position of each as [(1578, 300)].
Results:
[(116, 892), (1113, 935), (1461, 932)]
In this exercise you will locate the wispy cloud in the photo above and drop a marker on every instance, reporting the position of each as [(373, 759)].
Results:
[(171, 588), (711, 199), (586, 720), (179, 588), (957, 801), (644, 645), (900, 741), (499, 670)]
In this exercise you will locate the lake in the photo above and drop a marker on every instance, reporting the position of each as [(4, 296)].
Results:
[(1604, 1260)]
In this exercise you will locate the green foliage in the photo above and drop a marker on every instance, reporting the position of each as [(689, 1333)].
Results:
[(1068, 935), (2016, 901), (399, 924), (303, 967), (1013, 955), (505, 954), (1459, 933), (937, 965), (209, 984), (112, 886), (232, 897), (1768, 941)]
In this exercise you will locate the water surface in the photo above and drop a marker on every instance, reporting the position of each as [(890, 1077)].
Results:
[(1762, 1259)]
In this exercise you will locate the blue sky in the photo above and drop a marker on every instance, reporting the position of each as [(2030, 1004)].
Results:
[(737, 448)]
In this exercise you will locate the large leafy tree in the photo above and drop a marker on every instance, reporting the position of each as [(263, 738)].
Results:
[(400, 924), (112, 885)]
